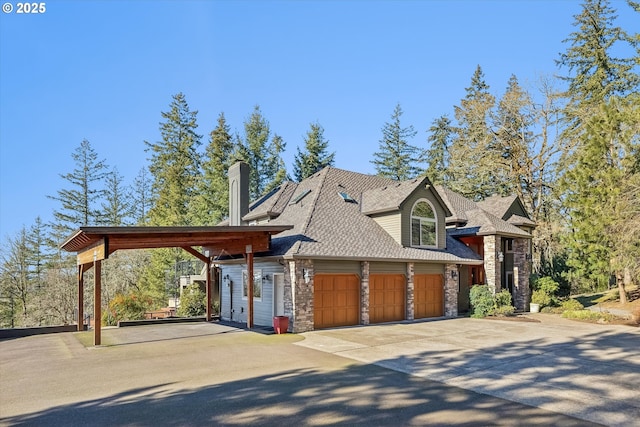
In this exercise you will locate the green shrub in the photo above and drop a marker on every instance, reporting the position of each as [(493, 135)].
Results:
[(192, 302), (482, 303), (541, 297), (502, 299), (126, 307), (572, 305), (547, 285), (502, 304), (504, 310), (551, 310), (588, 315)]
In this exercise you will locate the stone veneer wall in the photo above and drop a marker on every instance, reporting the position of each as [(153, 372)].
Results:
[(451, 290), (364, 292), (301, 295), (410, 300), (521, 273), (491, 264)]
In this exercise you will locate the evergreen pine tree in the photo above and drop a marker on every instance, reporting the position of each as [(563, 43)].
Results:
[(437, 155), (175, 171), (175, 165), (277, 168), (117, 208), (262, 156), (315, 156), (473, 157), (78, 203), (211, 203), (513, 123), (142, 197), (600, 85), (397, 158)]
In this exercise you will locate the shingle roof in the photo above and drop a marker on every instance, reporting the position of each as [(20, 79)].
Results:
[(478, 221), (391, 196), (497, 205), (327, 226), (273, 203)]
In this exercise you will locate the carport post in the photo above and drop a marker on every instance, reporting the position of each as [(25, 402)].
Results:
[(249, 251), (97, 302), (81, 297), (208, 285)]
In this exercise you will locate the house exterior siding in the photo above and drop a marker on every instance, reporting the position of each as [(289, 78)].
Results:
[(405, 212), (392, 224), (233, 306)]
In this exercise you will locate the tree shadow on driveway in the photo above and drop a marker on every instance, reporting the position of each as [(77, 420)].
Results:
[(582, 371), (356, 395)]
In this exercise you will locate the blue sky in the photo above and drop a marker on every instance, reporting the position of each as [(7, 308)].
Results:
[(104, 71)]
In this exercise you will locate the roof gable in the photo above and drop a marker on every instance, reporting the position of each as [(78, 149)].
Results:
[(485, 217), (392, 196), (325, 225)]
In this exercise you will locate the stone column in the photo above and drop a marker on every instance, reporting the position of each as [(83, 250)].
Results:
[(451, 277), (410, 300), (491, 264), (301, 276), (364, 292), (521, 273)]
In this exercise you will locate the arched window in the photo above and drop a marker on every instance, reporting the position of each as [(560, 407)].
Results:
[(423, 225)]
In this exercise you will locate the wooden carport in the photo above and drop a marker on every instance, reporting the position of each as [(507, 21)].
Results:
[(95, 244)]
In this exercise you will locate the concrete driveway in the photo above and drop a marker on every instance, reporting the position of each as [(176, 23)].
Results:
[(584, 370), (211, 374)]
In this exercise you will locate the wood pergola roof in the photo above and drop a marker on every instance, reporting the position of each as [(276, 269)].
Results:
[(94, 244), (218, 239)]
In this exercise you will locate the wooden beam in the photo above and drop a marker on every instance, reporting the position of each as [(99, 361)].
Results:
[(97, 303), (95, 252), (80, 298), (249, 252), (208, 290), (196, 254)]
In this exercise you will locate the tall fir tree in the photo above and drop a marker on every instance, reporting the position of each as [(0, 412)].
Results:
[(175, 170), (142, 197), (275, 164), (262, 155), (212, 199), (16, 279), (513, 124), (117, 209), (78, 202), (315, 155), (600, 172), (397, 158), (437, 155), (599, 80), (174, 164), (473, 157), (595, 71)]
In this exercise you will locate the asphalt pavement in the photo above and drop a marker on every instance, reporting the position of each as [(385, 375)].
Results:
[(431, 373)]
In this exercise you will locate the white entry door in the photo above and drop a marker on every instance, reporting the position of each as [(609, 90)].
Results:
[(278, 295)]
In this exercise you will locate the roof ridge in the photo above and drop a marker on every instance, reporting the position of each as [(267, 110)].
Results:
[(322, 176)]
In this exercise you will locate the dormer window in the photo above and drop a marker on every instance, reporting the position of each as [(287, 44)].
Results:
[(423, 225)]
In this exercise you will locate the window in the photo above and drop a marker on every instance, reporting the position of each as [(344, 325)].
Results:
[(508, 246), (299, 197), (423, 225), (346, 197), (257, 285)]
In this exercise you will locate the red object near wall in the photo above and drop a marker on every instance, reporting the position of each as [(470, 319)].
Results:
[(280, 324)]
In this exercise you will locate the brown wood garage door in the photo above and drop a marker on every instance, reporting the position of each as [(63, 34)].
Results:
[(386, 297), (336, 300), (428, 295)]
